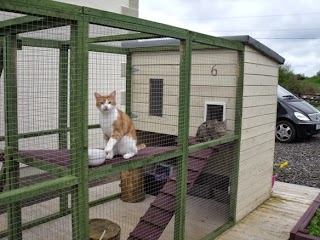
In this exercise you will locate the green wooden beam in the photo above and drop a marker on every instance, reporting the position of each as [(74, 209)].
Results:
[(44, 165), (212, 143), (35, 134), (99, 172), (238, 129), (43, 8), (104, 200), (60, 214), (154, 49), (183, 135), (63, 97), (79, 127), (216, 41), (123, 37), (63, 111), (44, 43), (46, 132), (94, 126), (11, 23), (110, 19), (37, 222), (36, 25), (11, 134), (24, 193), (2, 177), (129, 84), (107, 49), (1, 55), (168, 48)]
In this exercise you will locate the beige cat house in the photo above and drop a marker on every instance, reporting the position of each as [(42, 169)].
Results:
[(214, 74)]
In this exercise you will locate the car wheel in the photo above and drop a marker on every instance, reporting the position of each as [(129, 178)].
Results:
[(285, 132)]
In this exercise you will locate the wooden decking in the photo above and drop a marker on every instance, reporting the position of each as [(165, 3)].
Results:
[(274, 219)]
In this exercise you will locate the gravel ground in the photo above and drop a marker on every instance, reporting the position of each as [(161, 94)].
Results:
[(304, 161)]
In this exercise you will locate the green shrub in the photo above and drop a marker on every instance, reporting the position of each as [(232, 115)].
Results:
[(314, 227)]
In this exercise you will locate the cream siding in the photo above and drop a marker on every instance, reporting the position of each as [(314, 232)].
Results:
[(204, 87), (258, 129)]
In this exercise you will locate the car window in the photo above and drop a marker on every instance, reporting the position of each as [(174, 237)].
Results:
[(285, 94)]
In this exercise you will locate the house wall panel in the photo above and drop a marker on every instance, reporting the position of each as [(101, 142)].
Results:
[(258, 131), (205, 87)]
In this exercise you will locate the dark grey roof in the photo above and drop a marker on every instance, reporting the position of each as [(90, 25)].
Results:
[(247, 40), (263, 49)]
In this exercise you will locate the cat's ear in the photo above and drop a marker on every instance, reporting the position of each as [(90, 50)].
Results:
[(113, 94), (97, 95)]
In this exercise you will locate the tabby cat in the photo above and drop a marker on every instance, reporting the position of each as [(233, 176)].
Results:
[(117, 127), (211, 129)]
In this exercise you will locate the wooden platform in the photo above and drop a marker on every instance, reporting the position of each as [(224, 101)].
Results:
[(274, 219), (62, 157)]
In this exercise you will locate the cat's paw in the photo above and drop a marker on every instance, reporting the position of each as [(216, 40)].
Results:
[(110, 155), (108, 149), (128, 155)]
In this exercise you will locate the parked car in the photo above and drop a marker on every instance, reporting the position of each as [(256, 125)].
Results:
[(296, 118)]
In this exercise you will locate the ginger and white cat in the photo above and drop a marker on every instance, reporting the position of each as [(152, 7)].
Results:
[(117, 127)]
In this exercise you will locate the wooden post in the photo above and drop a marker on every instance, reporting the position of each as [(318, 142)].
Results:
[(11, 133), (132, 185), (104, 229)]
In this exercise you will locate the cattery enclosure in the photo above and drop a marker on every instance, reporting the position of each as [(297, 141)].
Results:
[(168, 80)]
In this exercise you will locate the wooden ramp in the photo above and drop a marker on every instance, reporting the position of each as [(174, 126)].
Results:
[(162, 209)]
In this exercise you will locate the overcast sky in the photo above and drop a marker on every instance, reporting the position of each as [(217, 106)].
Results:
[(291, 28)]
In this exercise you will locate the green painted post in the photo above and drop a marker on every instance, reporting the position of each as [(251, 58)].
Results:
[(183, 135), (238, 127), (11, 133), (63, 112), (1, 54), (79, 127), (2, 177), (63, 97), (128, 84)]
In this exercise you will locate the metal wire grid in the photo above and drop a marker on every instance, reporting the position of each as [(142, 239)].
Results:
[(35, 100), (154, 107)]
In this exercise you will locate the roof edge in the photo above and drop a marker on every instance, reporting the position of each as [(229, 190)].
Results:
[(246, 39), (260, 47)]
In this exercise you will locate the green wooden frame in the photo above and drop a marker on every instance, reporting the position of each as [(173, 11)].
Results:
[(55, 14)]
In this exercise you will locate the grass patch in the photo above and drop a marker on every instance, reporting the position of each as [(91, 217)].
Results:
[(314, 227)]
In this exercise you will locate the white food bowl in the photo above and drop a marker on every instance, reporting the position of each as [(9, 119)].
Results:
[(96, 157)]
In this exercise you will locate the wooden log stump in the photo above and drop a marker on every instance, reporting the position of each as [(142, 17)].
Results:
[(132, 185), (104, 228)]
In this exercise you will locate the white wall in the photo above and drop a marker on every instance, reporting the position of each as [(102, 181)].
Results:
[(127, 7), (258, 131), (204, 87)]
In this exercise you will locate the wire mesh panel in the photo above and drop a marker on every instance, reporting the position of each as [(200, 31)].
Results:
[(214, 77), (136, 82), (118, 128), (35, 124)]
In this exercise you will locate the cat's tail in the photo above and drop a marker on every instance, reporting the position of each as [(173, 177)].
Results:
[(141, 146)]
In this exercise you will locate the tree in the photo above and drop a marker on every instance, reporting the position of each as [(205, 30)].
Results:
[(289, 80), (286, 75)]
